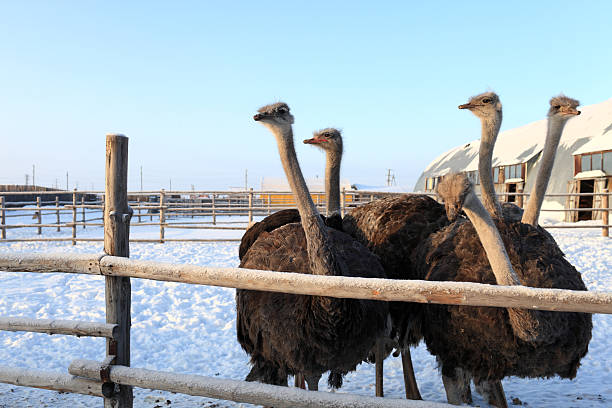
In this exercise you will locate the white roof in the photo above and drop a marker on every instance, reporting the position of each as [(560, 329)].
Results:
[(383, 189), (597, 144), (314, 184), (521, 144)]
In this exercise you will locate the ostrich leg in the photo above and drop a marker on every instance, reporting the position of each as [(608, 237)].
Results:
[(412, 389)]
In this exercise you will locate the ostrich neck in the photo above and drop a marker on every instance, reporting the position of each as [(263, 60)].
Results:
[(491, 241), (320, 255), (553, 136), (490, 129), (332, 182)]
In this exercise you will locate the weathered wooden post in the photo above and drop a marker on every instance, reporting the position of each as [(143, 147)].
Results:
[(57, 213), (2, 218), (74, 216), (342, 201), (117, 216), (139, 209), (269, 202), (519, 196), (83, 209), (605, 215), (162, 215), (214, 215), (250, 205), (39, 214)]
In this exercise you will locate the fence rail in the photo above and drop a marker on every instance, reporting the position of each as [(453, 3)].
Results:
[(170, 210)]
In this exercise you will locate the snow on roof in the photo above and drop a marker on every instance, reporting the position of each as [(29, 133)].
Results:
[(589, 174), (519, 145), (597, 144), (313, 184)]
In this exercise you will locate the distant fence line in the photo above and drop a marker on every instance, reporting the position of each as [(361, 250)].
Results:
[(159, 208)]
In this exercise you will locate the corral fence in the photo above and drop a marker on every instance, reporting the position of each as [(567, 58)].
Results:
[(113, 378), (204, 210)]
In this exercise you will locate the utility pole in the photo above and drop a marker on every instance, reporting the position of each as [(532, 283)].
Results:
[(246, 179), (33, 175), (390, 178), (170, 189), (56, 184), (27, 178), (67, 188), (140, 178)]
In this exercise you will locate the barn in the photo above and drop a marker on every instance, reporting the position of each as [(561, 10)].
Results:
[(583, 163)]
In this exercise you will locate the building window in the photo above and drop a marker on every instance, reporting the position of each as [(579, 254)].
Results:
[(495, 175), (513, 172), (607, 162), (596, 161), (586, 162)]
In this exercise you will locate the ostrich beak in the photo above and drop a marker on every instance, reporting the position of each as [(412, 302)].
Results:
[(466, 106), (259, 116), (314, 140)]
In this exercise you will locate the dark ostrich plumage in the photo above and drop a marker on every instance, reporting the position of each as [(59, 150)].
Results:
[(392, 228), (277, 220), (308, 335), (480, 340)]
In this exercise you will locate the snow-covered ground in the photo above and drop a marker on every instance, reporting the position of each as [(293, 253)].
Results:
[(191, 329)]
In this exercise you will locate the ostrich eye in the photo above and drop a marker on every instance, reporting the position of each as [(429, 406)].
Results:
[(282, 110), (557, 106), (487, 100)]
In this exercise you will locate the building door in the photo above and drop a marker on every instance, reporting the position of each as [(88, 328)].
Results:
[(586, 186), (511, 188)]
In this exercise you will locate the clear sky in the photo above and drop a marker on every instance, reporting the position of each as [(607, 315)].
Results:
[(183, 79)]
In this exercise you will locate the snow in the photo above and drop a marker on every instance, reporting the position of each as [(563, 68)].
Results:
[(590, 174), (190, 329)]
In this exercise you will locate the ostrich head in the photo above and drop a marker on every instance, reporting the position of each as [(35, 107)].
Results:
[(563, 107), (275, 116), (485, 106), (328, 139), (454, 189)]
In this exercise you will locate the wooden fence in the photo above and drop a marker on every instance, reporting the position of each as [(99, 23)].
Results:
[(113, 378), (200, 210)]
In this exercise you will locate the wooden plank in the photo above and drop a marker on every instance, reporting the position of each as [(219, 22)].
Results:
[(38, 215), (605, 231), (74, 217), (45, 262), (2, 219), (57, 213), (240, 391), (116, 242), (49, 326), (50, 380), (453, 293)]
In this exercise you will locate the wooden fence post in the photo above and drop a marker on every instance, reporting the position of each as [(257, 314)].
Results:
[(2, 218), (117, 216), (250, 205), (342, 201), (269, 202), (162, 215), (57, 213), (139, 209), (214, 215), (605, 215), (83, 206), (74, 216), (39, 214), (519, 197)]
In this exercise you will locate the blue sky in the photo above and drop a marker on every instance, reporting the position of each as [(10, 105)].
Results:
[(183, 79)]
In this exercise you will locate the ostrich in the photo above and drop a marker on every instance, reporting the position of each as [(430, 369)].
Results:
[(287, 334), (331, 140), (392, 228), (488, 344)]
